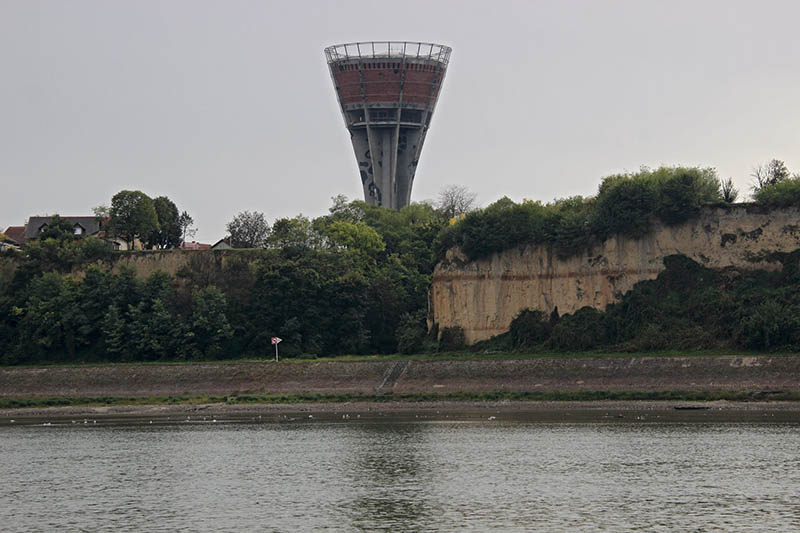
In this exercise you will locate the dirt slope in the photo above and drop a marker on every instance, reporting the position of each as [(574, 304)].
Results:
[(711, 373)]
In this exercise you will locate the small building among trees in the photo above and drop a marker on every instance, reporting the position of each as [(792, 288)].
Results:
[(80, 227)]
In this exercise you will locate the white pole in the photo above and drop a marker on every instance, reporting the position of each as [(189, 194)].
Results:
[(276, 352)]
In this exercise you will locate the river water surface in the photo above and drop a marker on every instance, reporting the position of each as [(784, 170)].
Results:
[(399, 473)]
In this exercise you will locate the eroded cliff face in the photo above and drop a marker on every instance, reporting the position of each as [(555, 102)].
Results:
[(483, 296)]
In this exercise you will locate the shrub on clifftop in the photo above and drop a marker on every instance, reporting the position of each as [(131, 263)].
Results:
[(626, 204), (782, 194)]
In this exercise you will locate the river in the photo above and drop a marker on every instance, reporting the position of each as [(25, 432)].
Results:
[(403, 472)]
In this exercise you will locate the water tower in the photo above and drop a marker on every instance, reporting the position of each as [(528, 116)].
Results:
[(387, 91)]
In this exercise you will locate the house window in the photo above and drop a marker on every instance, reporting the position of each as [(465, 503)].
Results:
[(78, 230)]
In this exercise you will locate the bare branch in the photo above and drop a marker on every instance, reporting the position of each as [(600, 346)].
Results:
[(455, 200)]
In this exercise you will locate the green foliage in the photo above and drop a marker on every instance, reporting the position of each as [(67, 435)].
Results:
[(626, 204), (133, 216), (411, 332), (529, 329), (186, 225), (452, 339), (355, 281), (46, 255), (315, 301), (358, 237), (683, 191), (784, 193), (293, 234), (688, 307), (114, 335), (57, 229), (344, 283), (208, 329), (583, 330), (771, 173), (51, 320), (248, 230), (169, 233), (768, 325)]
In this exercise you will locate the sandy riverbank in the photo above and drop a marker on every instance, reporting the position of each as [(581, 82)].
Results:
[(466, 410)]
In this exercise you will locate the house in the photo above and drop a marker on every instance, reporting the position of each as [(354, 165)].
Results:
[(15, 235), (194, 246), (222, 244), (82, 226)]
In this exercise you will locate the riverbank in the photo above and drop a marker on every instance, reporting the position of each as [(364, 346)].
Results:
[(517, 411), (718, 376)]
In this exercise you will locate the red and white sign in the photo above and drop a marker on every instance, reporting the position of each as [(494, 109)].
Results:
[(276, 340)]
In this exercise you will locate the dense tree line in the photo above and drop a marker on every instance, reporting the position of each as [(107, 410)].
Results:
[(342, 283), (155, 222), (356, 280)]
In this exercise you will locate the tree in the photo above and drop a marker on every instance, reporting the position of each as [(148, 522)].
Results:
[(248, 230), (529, 328), (683, 191), (114, 334), (186, 223), (729, 192), (58, 229), (133, 216), (101, 212), (342, 209), (455, 200), (169, 232), (625, 205), (293, 233), (208, 326), (773, 172), (358, 237), (411, 332)]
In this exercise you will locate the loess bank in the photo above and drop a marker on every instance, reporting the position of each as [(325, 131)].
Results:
[(483, 296)]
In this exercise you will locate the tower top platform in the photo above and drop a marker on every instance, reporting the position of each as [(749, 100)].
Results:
[(409, 50)]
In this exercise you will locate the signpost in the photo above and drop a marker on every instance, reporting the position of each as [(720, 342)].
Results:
[(275, 341)]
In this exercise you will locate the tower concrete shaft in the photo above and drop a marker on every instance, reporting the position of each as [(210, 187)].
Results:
[(387, 92)]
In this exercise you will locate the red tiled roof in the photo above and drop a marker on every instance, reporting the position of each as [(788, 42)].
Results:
[(16, 233), (195, 246)]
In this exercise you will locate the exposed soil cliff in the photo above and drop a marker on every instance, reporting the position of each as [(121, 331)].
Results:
[(483, 296)]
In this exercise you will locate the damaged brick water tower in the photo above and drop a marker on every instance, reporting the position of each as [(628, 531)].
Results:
[(387, 91)]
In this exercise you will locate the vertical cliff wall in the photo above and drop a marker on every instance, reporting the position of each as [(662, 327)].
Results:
[(483, 296)]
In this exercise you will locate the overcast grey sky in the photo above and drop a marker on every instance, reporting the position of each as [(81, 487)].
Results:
[(227, 105)]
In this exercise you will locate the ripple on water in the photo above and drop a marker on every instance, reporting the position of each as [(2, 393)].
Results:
[(390, 476)]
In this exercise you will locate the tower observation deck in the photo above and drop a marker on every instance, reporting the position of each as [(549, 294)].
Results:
[(387, 91)]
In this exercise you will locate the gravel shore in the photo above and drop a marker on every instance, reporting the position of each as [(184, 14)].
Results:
[(465, 409)]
